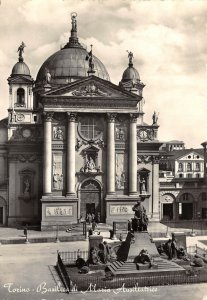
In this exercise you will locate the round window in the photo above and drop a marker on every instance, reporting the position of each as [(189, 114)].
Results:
[(189, 156), (90, 128)]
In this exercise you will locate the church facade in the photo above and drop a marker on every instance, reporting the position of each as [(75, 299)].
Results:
[(74, 143)]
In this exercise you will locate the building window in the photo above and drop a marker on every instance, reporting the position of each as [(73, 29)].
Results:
[(189, 176), (185, 197), (181, 175), (20, 97), (180, 167), (189, 167), (90, 129), (197, 166), (197, 175), (204, 196)]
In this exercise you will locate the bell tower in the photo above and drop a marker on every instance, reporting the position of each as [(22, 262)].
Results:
[(20, 93), (131, 82)]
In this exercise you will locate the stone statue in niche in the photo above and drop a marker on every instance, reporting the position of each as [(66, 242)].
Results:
[(27, 187), (58, 133), (142, 182), (90, 165)]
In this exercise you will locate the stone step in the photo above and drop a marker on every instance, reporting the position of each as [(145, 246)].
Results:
[(164, 267)]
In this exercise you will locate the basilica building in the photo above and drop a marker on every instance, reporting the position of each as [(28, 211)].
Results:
[(75, 143)]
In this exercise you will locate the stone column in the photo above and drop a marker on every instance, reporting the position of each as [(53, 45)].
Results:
[(133, 155), (111, 154), (155, 187), (47, 170), (205, 161), (71, 154)]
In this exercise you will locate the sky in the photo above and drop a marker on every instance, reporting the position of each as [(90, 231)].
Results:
[(167, 38)]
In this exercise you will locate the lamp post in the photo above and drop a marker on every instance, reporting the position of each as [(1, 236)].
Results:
[(200, 221), (57, 234)]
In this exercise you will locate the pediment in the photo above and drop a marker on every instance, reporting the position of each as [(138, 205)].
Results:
[(92, 87), (191, 156)]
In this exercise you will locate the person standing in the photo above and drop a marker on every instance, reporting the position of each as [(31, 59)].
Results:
[(89, 218)]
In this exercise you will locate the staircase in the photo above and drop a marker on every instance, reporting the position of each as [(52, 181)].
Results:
[(164, 267)]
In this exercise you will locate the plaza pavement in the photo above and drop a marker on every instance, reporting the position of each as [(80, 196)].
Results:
[(27, 270), (16, 236)]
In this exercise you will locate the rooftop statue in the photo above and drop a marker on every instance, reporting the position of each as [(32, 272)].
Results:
[(74, 21), (89, 57), (130, 56), (154, 118), (21, 50)]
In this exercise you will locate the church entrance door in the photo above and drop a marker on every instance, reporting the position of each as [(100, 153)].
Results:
[(90, 208), (90, 196)]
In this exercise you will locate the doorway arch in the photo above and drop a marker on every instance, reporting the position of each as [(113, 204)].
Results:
[(90, 198)]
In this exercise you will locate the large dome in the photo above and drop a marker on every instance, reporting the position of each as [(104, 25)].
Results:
[(69, 64)]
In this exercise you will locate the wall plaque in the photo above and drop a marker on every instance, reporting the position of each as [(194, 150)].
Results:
[(59, 211), (121, 209)]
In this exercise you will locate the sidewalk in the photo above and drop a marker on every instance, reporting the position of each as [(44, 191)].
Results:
[(75, 233), (71, 233)]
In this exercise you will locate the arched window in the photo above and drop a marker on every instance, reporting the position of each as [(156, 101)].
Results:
[(180, 167), (189, 167), (20, 97)]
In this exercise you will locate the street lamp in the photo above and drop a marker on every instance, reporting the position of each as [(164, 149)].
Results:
[(200, 221), (57, 234)]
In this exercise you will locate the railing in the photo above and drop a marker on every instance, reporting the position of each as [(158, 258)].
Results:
[(70, 257), (63, 273), (89, 283)]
